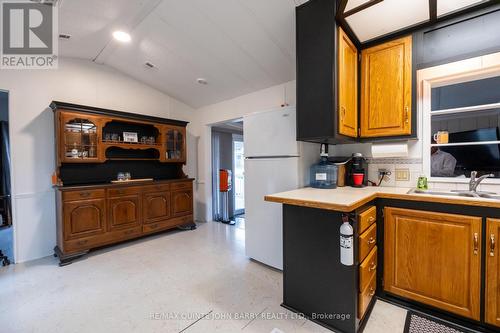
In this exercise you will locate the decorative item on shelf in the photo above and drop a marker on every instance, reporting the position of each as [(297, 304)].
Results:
[(127, 176), (441, 137), (130, 137), (151, 140), (144, 139), (74, 151), (120, 176)]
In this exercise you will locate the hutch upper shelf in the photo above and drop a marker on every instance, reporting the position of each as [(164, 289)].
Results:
[(93, 135)]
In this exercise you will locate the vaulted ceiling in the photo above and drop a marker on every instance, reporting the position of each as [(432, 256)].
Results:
[(238, 46)]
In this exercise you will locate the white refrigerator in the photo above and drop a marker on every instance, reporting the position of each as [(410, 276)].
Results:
[(274, 162)]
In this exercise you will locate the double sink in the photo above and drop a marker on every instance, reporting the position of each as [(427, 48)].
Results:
[(455, 193), (471, 193)]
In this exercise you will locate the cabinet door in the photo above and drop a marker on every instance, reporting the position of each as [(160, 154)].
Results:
[(156, 206), (176, 144), (83, 218), (386, 89), (348, 87), (79, 140), (492, 315), (124, 212), (434, 258), (182, 202)]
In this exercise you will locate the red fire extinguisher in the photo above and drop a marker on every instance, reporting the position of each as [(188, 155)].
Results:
[(225, 182)]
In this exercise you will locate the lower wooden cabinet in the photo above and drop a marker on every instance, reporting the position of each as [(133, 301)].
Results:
[(124, 212), (84, 218), (435, 259), (156, 206), (182, 202), (88, 218), (492, 299)]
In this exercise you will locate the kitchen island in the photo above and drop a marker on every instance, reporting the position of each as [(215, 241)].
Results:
[(448, 237)]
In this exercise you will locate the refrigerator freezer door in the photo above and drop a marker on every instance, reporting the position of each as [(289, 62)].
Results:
[(263, 220), (271, 133)]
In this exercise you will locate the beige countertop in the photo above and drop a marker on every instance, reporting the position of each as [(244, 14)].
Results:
[(346, 199)]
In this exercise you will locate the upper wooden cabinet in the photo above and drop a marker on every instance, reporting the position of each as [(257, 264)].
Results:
[(386, 89), (492, 299), (348, 85), (91, 135), (435, 259)]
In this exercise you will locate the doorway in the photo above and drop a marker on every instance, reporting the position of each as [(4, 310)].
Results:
[(6, 234), (228, 155)]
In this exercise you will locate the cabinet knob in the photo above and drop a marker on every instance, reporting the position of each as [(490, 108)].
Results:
[(492, 245), (476, 243), (371, 240), (371, 219), (372, 267), (84, 194), (342, 113), (407, 115), (83, 242), (372, 291)]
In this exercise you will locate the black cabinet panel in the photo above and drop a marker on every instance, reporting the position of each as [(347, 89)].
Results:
[(316, 71), (460, 38)]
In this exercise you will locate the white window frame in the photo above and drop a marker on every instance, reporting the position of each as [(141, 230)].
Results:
[(456, 72)]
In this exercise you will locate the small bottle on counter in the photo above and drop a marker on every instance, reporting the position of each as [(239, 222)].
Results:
[(324, 174)]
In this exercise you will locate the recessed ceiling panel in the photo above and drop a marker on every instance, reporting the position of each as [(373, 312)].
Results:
[(388, 16), (351, 4), (447, 6)]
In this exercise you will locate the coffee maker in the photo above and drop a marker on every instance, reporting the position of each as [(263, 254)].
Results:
[(357, 171)]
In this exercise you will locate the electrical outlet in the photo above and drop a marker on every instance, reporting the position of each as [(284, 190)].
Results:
[(384, 174), (402, 175)]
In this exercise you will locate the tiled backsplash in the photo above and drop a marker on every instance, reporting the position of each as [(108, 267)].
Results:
[(415, 168)]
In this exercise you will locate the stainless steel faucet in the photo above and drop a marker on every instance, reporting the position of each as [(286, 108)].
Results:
[(474, 182)]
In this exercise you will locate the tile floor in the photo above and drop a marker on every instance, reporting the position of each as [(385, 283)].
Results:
[(163, 283)]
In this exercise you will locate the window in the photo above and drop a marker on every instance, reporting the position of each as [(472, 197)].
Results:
[(461, 119)]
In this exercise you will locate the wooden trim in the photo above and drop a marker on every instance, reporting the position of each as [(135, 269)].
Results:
[(492, 291), (364, 6), (432, 10), (55, 105)]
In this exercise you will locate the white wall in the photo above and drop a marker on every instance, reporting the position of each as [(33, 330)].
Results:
[(32, 135), (235, 108)]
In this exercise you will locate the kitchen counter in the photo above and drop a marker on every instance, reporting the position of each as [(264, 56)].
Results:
[(347, 199)]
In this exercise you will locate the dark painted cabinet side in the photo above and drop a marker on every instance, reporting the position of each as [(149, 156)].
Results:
[(316, 72)]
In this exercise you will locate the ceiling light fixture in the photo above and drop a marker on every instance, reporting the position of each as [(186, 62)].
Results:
[(202, 81), (122, 36)]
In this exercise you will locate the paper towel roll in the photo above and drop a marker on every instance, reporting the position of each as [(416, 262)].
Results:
[(390, 150)]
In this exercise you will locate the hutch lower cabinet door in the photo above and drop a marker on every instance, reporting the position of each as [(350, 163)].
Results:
[(492, 299), (434, 258), (156, 206), (84, 218), (182, 202), (124, 212)]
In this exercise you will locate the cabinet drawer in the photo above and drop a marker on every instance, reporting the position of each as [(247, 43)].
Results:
[(126, 234), (367, 218), (116, 192), (166, 224), (83, 194), (367, 268), (366, 296), (156, 188), (367, 241), (82, 244), (181, 185)]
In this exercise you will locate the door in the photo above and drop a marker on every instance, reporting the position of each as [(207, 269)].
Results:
[(182, 202), (79, 141), (434, 258), (492, 299), (176, 144), (386, 89), (124, 212), (83, 218), (156, 206), (238, 174), (348, 86), (271, 133), (264, 220)]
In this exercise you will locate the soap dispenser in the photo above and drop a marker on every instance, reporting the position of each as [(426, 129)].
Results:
[(324, 174)]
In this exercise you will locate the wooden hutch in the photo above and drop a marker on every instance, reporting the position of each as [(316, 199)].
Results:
[(93, 146)]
